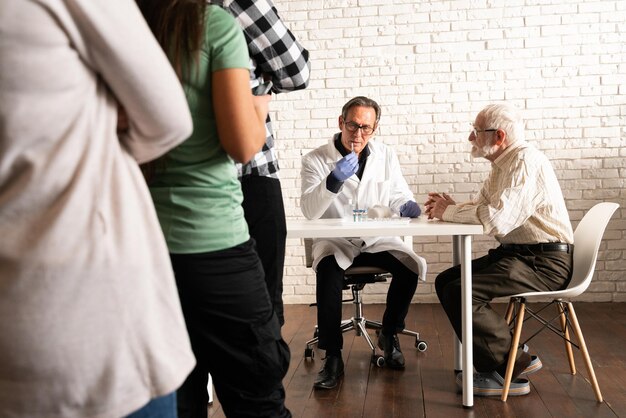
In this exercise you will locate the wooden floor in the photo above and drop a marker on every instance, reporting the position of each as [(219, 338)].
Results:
[(426, 388)]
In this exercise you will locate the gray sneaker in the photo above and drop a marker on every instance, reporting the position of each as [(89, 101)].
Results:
[(491, 384)]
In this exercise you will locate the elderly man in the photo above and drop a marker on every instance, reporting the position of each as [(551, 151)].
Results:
[(522, 207), (352, 168)]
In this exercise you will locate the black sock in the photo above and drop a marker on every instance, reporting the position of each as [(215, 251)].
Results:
[(501, 369), (522, 361)]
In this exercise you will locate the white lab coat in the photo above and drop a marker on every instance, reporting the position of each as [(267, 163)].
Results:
[(382, 183)]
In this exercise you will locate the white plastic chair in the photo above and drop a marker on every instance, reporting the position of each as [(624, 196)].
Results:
[(587, 238)]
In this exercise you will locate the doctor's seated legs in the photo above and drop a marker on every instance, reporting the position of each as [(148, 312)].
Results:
[(330, 283)]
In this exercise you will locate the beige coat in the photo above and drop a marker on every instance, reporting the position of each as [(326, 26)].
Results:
[(90, 322)]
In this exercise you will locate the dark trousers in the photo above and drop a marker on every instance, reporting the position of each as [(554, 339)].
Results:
[(330, 285), (234, 333), (499, 273), (265, 215)]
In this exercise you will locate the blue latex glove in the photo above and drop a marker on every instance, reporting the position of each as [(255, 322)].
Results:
[(410, 210), (346, 167)]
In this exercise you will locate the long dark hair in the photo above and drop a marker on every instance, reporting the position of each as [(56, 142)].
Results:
[(178, 26)]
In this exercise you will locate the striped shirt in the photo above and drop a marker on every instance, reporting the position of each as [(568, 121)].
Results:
[(520, 202), (276, 53)]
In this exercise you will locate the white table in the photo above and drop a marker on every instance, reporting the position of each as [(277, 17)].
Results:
[(462, 254)]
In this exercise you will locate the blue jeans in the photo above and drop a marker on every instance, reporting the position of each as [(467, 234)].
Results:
[(162, 407)]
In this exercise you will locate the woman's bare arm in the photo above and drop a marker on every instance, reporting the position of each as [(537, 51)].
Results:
[(240, 116)]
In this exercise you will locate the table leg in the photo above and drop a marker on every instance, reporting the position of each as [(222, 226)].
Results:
[(466, 306)]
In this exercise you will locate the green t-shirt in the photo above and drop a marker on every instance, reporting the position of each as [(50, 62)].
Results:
[(195, 191)]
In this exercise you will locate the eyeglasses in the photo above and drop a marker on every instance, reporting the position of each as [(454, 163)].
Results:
[(477, 131), (365, 129)]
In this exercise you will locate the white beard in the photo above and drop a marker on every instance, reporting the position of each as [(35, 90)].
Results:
[(484, 151)]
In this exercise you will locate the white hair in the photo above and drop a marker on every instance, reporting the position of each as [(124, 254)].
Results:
[(505, 117)]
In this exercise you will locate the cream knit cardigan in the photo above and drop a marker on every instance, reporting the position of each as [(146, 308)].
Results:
[(90, 321)]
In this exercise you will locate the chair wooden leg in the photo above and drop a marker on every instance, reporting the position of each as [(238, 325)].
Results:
[(519, 321), (583, 349), (509, 312), (568, 345)]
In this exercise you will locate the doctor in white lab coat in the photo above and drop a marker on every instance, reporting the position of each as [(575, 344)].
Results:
[(353, 171)]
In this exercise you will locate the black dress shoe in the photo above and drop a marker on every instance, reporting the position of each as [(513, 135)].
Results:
[(329, 376), (391, 347)]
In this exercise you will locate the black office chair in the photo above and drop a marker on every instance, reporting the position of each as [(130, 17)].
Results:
[(355, 279)]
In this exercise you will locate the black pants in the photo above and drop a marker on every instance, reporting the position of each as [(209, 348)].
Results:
[(499, 273), (265, 215), (330, 285), (234, 333)]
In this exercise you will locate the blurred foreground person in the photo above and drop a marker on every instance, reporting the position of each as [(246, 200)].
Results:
[(277, 56), (234, 331), (90, 321)]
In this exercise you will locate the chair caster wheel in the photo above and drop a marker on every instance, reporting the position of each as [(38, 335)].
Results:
[(309, 353), (378, 360), (421, 345)]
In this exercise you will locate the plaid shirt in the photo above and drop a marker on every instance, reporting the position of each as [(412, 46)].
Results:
[(274, 52)]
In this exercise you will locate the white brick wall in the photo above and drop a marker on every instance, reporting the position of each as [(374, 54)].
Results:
[(432, 66)]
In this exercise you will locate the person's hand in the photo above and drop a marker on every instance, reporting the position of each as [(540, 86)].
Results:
[(346, 167), (436, 205), (262, 105), (410, 210)]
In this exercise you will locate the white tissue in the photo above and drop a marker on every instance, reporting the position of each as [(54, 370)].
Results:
[(379, 212)]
